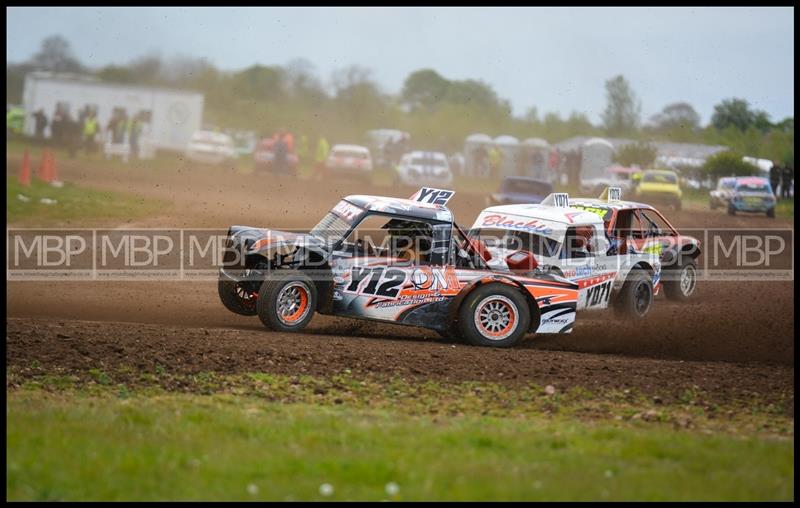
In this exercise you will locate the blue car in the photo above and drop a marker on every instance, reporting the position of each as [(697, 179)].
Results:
[(752, 194), (516, 190)]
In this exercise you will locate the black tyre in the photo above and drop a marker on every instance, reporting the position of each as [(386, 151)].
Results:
[(450, 335), (237, 298), (771, 213), (287, 301), (731, 210), (636, 296), (494, 315), (681, 280)]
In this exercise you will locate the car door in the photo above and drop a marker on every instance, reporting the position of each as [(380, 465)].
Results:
[(591, 268), (371, 281)]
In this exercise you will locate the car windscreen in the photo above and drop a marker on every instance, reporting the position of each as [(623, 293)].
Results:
[(528, 187), (427, 161), (659, 178), (351, 153), (752, 187), (516, 240), (335, 225)]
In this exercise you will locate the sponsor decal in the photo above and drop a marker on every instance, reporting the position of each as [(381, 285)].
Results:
[(347, 211), (602, 212), (503, 221)]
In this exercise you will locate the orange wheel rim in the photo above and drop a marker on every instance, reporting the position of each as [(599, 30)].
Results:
[(293, 303), (496, 317)]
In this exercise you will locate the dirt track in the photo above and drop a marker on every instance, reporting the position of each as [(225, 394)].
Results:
[(728, 321)]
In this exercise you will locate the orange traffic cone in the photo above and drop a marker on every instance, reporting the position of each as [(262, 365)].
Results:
[(25, 172)]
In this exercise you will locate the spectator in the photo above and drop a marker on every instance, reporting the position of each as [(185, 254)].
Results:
[(787, 180), (281, 150), (134, 134), (89, 132), (322, 152), (71, 133), (775, 174), (481, 157), (57, 127), (40, 124)]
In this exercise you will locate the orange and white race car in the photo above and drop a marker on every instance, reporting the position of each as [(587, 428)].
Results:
[(402, 261)]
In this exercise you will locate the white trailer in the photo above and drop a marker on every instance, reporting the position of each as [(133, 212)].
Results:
[(174, 114)]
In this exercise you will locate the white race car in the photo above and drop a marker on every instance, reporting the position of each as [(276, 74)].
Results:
[(425, 168), (572, 243), (209, 147)]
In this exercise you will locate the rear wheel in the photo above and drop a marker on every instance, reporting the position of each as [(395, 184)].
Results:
[(237, 298), (636, 296), (771, 213), (681, 280), (494, 315), (731, 209), (287, 301)]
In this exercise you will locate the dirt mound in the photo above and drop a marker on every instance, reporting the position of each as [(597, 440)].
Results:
[(77, 346)]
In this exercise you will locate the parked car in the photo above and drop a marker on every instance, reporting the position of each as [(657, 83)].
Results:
[(348, 160), (520, 190), (721, 196), (657, 186), (210, 147), (244, 141), (613, 176), (752, 194), (264, 156), (445, 285), (424, 168)]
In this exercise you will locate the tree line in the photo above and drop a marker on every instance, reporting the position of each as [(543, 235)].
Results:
[(437, 111)]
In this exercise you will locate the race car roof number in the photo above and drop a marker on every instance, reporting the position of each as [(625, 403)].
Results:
[(614, 193), (560, 199), (432, 196)]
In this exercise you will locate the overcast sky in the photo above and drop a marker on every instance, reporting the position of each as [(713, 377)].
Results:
[(556, 59)]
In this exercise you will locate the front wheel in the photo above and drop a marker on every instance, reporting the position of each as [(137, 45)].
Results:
[(636, 296), (681, 280), (731, 210), (494, 315), (771, 213), (287, 301)]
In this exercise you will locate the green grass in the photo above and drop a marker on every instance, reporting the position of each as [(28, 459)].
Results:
[(72, 447), (73, 202)]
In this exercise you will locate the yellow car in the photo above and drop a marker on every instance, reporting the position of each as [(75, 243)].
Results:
[(657, 186)]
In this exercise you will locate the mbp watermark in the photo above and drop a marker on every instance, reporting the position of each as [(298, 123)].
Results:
[(198, 254)]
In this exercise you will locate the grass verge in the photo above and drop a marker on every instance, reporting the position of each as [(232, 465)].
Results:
[(71, 203), (74, 446)]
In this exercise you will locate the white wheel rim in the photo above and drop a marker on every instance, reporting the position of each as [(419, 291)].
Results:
[(688, 280)]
